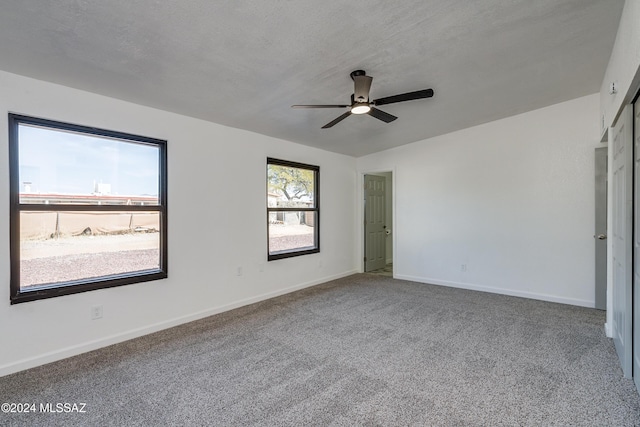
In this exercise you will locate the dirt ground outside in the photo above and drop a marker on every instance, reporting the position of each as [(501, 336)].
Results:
[(287, 237), (63, 259), (82, 257), (60, 269), (43, 248)]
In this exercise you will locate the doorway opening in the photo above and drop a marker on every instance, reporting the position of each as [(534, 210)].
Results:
[(378, 220)]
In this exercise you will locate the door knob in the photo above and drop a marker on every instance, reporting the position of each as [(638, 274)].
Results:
[(601, 237)]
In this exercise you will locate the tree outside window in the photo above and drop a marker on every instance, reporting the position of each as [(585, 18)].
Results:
[(292, 209)]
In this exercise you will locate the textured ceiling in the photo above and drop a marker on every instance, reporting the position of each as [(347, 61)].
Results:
[(244, 63)]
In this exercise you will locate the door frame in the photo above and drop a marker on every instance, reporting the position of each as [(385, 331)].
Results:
[(635, 269), (360, 212)]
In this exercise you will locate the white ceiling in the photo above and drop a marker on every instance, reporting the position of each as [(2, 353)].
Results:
[(243, 63)]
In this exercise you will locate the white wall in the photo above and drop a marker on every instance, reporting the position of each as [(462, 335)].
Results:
[(230, 165), (513, 200)]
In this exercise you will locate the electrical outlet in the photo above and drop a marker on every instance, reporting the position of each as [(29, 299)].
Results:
[(463, 267), (239, 271), (96, 312)]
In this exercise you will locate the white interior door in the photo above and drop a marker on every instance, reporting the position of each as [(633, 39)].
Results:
[(636, 248), (622, 201), (374, 222)]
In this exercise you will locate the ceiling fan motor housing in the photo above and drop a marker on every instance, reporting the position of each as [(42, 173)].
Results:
[(357, 73)]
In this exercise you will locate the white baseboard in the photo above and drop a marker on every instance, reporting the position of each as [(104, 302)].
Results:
[(502, 291), (63, 353), (607, 331)]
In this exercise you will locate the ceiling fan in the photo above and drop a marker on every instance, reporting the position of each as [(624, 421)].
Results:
[(360, 103)]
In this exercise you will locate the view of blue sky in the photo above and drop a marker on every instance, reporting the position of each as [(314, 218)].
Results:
[(55, 161)]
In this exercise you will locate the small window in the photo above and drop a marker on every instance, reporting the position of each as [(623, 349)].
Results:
[(88, 208), (293, 209)]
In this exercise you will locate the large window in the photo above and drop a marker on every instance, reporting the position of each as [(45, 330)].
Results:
[(293, 210), (88, 208)]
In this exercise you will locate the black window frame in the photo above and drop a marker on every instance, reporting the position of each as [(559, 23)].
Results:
[(315, 209), (18, 295)]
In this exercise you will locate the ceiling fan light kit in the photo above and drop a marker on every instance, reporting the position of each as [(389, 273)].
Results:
[(360, 103), (360, 109)]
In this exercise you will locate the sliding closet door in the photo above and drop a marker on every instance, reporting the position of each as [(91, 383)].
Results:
[(622, 200), (636, 248)]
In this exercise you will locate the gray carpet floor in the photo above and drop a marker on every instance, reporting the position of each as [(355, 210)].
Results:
[(363, 350)]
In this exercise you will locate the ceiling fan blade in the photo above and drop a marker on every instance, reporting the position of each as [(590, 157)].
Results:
[(337, 120), (319, 106), (362, 87), (381, 115), (409, 96)]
